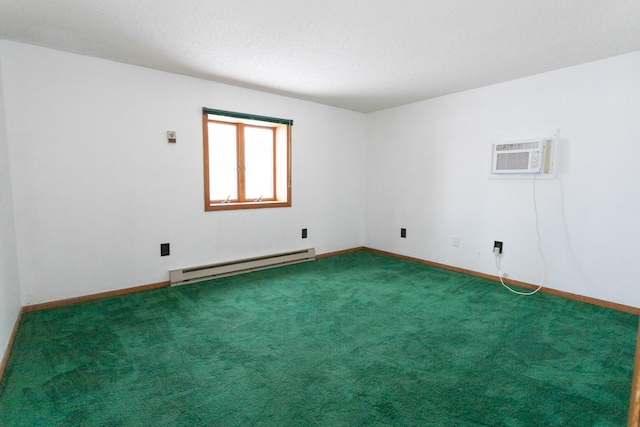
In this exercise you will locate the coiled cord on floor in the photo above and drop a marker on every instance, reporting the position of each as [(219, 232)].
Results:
[(544, 266)]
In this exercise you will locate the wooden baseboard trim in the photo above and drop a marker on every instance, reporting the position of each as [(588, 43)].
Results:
[(344, 251), (634, 404), (582, 298), (7, 353), (76, 300)]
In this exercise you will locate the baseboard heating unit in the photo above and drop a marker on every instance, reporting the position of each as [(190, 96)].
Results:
[(213, 271)]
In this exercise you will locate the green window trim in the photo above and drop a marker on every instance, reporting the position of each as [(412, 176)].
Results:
[(246, 116)]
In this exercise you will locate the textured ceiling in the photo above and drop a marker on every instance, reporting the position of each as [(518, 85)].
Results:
[(362, 55)]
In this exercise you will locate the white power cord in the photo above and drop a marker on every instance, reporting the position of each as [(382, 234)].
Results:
[(497, 253)]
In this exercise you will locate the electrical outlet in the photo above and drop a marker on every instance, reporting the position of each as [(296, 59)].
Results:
[(304, 233), (455, 241), (164, 249), (498, 245), (403, 233)]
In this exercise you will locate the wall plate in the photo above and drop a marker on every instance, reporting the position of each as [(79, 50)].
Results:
[(171, 136)]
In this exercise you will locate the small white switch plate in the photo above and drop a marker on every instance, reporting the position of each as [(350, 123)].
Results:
[(171, 136), (456, 241)]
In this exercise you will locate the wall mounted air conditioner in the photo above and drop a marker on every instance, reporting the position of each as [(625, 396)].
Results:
[(521, 157), (524, 156)]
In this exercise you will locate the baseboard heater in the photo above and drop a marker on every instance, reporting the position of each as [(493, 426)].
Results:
[(213, 271)]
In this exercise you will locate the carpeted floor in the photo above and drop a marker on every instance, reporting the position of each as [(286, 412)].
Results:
[(359, 339)]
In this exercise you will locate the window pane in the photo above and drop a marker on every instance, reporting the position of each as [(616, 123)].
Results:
[(258, 162), (223, 163)]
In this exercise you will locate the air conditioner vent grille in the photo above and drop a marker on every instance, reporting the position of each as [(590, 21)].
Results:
[(512, 161), (518, 146)]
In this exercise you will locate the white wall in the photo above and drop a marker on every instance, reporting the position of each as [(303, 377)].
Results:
[(97, 187), (9, 286), (428, 166)]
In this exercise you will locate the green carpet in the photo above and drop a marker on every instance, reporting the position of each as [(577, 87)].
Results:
[(359, 339)]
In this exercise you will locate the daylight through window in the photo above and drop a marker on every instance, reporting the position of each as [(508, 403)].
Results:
[(247, 160)]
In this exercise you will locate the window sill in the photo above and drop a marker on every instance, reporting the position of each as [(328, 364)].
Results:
[(245, 205)]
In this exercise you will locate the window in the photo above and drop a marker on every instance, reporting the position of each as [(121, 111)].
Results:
[(247, 160)]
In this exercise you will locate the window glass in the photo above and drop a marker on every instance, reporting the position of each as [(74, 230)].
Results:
[(258, 162), (223, 162)]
